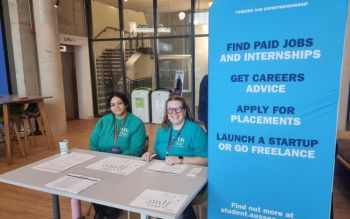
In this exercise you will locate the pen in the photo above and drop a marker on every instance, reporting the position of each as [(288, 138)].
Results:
[(83, 177)]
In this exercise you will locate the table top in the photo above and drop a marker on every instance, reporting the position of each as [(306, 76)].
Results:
[(12, 98), (114, 189)]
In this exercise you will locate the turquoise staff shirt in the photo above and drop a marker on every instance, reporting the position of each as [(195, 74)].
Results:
[(131, 138), (192, 142)]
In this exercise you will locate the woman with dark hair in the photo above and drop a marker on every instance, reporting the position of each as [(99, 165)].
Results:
[(180, 140), (120, 131)]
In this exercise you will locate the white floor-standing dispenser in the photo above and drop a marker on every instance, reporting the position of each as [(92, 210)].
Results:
[(159, 97), (141, 104)]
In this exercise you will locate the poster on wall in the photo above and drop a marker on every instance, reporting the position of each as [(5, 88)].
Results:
[(273, 107), (179, 81)]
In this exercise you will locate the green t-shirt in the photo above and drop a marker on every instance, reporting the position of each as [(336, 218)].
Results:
[(131, 137), (192, 142)]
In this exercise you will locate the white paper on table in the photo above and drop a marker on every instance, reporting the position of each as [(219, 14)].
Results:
[(72, 183), (161, 166), (117, 165), (160, 201), (63, 162)]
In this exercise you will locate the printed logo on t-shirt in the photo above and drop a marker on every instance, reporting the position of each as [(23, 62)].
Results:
[(180, 142), (123, 132)]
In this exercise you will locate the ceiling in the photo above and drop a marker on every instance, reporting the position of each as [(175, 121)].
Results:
[(163, 5)]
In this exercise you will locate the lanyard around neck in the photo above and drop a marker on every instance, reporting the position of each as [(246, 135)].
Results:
[(171, 140), (116, 133)]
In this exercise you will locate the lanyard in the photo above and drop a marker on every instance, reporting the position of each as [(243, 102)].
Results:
[(171, 140), (116, 133)]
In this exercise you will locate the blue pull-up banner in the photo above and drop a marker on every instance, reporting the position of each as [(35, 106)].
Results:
[(275, 70), (3, 72)]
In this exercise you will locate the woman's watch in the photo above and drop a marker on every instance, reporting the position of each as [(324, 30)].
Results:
[(181, 158)]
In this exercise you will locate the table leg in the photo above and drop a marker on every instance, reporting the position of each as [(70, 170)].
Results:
[(143, 216), (5, 110), (45, 120), (76, 208), (56, 206)]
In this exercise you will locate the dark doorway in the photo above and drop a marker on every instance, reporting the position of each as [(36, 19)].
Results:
[(69, 82)]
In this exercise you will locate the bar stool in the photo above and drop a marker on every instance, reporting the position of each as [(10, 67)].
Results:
[(32, 113), (27, 131), (14, 130)]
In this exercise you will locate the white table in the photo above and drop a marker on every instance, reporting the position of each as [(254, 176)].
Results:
[(114, 190)]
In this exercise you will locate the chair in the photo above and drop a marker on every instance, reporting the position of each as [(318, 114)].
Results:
[(31, 113), (200, 202), (13, 127)]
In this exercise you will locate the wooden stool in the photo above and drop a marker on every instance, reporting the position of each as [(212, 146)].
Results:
[(13, 127)]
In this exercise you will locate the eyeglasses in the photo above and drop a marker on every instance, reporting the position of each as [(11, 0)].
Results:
[(176, 110)]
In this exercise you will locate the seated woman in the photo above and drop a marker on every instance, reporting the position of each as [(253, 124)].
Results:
[(180, 140), (118, 132)]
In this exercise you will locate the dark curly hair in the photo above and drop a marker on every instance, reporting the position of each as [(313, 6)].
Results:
[(122, 97)]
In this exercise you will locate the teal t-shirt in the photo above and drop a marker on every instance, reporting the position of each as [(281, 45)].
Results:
[(192, 142), (131, 137)]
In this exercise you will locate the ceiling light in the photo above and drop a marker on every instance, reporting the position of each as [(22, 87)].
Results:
[(57, 3), (182, 15)]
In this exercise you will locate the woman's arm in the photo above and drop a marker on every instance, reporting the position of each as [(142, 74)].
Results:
[(137, 141), (187, 160), (94, 138)]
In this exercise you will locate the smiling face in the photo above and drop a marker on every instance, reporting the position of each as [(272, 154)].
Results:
[(176, 113), (118, 107)]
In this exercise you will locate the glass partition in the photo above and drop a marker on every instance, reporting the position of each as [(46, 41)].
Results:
[(108, 27), (108, 74), (138, 18), (140, 67), (175, 56), (201, 67), (174, 18), (201, 17)]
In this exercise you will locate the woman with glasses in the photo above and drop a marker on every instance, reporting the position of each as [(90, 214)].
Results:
[(180, 140), (119, 132)]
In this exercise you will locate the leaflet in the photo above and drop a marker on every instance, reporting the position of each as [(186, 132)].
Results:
[(161, 166), (117, 165), (73, 183), (159, 201), (63, 162)]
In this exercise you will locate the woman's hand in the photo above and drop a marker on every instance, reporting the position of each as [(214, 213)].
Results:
[(186, 160), (148, 156), (170, 160)]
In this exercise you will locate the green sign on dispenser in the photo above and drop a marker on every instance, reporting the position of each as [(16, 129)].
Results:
[(140, 102)]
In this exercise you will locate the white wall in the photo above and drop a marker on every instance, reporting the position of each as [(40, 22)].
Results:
[(133, 16), (144, 67), (83, 77)]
